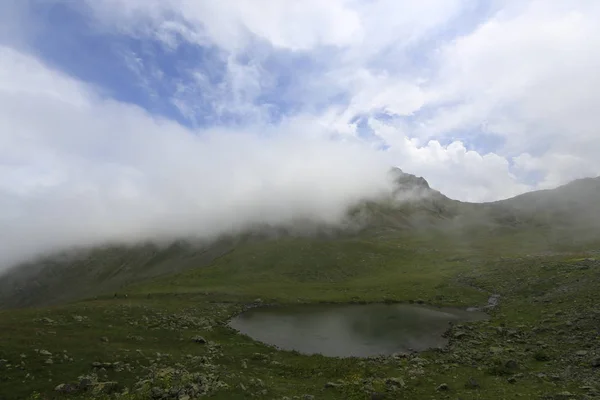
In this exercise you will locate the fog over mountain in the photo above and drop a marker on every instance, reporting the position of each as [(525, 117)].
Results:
[(164, 182)]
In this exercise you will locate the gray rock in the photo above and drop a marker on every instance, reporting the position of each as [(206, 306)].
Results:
[(105, 365), (493, 301), (541, 356), (511, 364), (399, 382), (459, 334), (65, 388), (199, 339), (45, 353), (257, 382), (332, 385), (443, 387), (596, 363), (581, 353)]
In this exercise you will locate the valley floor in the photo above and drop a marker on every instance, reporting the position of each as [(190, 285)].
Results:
[(168, 339)]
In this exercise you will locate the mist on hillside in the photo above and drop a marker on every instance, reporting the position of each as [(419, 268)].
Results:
[(191, 186)]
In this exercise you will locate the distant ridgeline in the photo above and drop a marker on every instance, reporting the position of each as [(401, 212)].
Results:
[(563, 219)]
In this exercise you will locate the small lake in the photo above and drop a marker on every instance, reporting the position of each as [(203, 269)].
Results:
[(351, 330)]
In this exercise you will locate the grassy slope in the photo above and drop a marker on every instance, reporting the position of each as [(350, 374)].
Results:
[(83, 274), (542, 342), (296, 269), (549, 311)]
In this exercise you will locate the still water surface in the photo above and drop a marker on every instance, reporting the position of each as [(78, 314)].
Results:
[(351, 330)]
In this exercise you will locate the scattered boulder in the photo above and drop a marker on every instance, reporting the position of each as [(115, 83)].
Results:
[(173, 382), (581, 353), (493, 301), (260, 357), (596, 363), (443, 388), (541, 355), (459, 334), (258, 382), (398, 382), (199, 339), (105, 387), (511, 364), (65, 388), (332, 385), (105, 365)]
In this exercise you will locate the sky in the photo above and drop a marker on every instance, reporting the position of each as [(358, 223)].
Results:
[(124, 119)]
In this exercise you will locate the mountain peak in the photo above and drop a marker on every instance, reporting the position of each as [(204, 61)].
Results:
[(408, 181)]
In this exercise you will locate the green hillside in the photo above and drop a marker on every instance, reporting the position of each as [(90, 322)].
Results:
[(120, 321)]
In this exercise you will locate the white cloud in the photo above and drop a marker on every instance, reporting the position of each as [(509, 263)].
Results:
[(526, 73), (529, 75), (295, 25), (455, 171), (87, 170)]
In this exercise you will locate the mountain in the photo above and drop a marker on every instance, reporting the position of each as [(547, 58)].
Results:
[(547, 220), (152, 320)]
